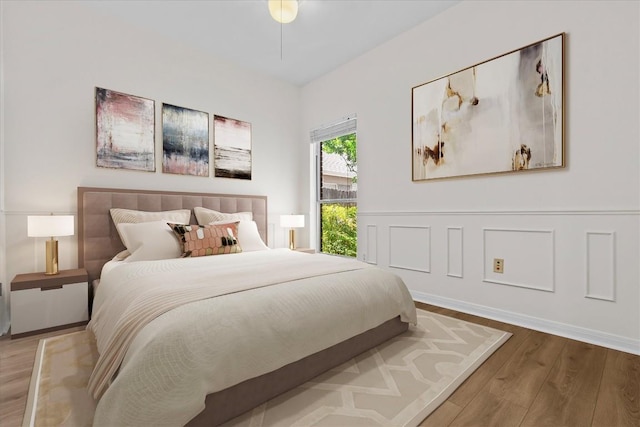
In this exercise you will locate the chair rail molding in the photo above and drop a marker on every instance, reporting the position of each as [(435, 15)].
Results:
[(504, 212)]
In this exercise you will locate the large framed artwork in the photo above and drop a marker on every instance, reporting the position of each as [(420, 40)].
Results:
[(504, 114), (185, 141), (232, 148), (125, 131)]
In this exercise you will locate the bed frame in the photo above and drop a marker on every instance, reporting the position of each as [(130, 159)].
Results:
[(98, 242)]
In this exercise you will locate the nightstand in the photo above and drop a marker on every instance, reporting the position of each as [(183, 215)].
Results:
[(306, 250), (41, 303)]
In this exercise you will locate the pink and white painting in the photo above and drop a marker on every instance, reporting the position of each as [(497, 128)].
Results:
[(232, 148), (505, 114), (125, 131)]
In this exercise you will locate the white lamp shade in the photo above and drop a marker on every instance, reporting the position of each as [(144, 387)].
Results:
[(50, 225), (283, 11), (292, 221)]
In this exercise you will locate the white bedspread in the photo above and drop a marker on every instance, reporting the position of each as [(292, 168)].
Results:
[(208, 345)]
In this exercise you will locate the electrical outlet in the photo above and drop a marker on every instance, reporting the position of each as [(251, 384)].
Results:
[(498, 265)]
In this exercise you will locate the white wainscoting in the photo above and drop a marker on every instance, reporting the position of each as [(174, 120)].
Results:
[(528, 258), (410, 248), (371, 255), (600, 266), (572, 273), (455, 254)]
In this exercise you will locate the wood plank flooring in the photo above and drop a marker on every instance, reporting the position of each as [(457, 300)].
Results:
[(534, 379), (16, 364), (537, 379)]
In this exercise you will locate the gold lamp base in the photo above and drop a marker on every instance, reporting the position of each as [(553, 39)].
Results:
[(292, 239), (52, 257)]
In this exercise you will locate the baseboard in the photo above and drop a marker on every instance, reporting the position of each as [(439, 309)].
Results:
[(590, 336)]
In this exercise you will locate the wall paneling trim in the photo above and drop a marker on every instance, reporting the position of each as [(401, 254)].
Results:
[(371, 256), (601, 265), (410, 247), (455, 252), (528, 256)]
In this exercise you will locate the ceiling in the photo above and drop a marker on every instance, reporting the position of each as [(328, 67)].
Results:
[(325, 35)]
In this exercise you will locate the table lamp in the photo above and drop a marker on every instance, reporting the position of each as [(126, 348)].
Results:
[(292, 222), (50, 226)]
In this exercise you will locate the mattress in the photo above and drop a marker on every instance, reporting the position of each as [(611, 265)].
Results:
[(208, 345)]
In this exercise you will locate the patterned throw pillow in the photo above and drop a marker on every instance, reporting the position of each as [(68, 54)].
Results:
[(203, 240)]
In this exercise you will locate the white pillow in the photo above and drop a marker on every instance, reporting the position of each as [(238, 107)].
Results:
[(149, 241), (207, 216), (248, 236), (120, 216)]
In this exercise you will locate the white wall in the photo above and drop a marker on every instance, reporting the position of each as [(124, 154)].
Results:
[(55, 54), (569, 237)]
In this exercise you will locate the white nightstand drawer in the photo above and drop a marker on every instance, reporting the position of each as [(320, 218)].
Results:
[(48, 307)]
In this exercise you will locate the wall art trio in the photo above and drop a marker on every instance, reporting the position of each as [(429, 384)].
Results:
[(125, 138), (502, 115)]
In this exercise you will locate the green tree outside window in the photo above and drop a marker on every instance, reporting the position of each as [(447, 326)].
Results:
[(339, 231), (339, 219)]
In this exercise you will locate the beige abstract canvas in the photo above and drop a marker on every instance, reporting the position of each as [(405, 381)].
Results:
[(505, 114)]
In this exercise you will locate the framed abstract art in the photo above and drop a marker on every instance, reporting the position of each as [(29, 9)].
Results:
[(185, 141), (501, 115), (125, 131), (232, 148)]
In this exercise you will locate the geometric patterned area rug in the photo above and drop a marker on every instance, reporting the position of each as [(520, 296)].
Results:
[(398, 383)]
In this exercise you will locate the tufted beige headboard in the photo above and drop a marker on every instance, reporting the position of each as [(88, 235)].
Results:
[(98, 239)]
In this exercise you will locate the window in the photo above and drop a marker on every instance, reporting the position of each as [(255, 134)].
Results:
[(337, 188)]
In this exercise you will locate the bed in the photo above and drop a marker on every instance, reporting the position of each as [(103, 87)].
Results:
[(207, 360)]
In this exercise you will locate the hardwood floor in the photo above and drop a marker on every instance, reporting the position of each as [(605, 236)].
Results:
[(534, 379), (16, 364), (537, 379)]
